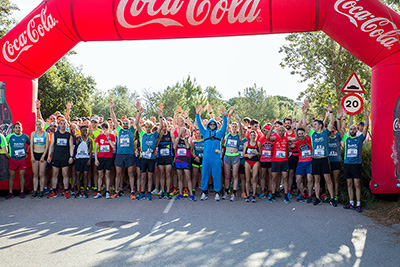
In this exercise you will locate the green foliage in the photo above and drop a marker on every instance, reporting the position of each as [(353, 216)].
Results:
[(6, 22), (62, 83), (124, 102), (256, 104), (325, 65), (186, 94), (367, 198)]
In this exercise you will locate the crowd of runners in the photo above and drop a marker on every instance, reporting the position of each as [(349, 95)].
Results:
[(173, 156)]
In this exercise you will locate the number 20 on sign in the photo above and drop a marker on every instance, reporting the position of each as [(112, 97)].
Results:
[(352, 104)]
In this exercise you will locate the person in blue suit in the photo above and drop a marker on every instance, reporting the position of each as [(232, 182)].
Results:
[(212, 150)]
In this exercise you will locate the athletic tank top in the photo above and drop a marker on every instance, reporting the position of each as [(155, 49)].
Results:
[(198, 148), (39, 141), (250, 149), (61, 146), (165, 146), (232, 141), (182, 152)]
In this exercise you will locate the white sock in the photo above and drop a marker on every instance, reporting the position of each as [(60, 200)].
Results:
[(352, 202), (358, 203)]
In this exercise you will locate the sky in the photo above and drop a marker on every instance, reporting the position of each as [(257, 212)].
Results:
[(229, 63)]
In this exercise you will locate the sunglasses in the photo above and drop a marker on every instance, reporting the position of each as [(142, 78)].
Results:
[(53, 119), (125, 123)]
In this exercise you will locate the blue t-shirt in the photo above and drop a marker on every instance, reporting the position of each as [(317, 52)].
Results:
[(335, 148), (353, 149), (125, 140), (148, 143), (320, 143), (17, 145)]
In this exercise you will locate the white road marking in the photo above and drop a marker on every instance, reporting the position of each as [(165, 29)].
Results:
[(169, 206)]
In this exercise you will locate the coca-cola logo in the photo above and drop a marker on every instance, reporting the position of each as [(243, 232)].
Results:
[(197, 11), (380, 28), (36, 28), (396, 125)]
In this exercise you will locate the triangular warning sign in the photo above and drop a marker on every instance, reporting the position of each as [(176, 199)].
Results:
[(353, 85)]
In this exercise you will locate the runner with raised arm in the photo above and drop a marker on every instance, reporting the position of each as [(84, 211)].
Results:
[(252, 150)]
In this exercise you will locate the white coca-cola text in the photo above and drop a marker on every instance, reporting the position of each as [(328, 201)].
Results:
[(197, 12), (36, 28), (380, 28), (396, 125)]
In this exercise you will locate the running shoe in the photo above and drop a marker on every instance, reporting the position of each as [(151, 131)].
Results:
[(225, 196), (244, 195), (191, 197), (78, 195), (286, 199), (66, 195), (46, 191), (269, 195), (333, 202), (317, 202), (185, 192), (133, 195), (262, 196), (161, 194), (108, 195), (203, 197), (289, 195), (253, 199), (309, 199), (154, 192), (34, 195), (217, 198), (301, 198), (141, 196), (98, 195), (272, 199), (336, 198), (149, 196), (358, 209), (72, 193), (22, 195), (53, 194), (247, 199), (41, 194), (10, 195), (349, 207), (85, 195), (115, 195), (180, 196), (233, 198)]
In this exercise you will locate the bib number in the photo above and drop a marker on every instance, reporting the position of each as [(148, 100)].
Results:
[(319, 152), (39, 140), (124, 141), (241, 154), (352, 153), (306, 154), (280, 154), (19, 153), (146, 155), (266, 153), (62, 142), (232, 143), (181, 152), (104, 148), (164, 152)]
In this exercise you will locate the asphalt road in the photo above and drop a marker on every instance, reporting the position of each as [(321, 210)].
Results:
[(124, 232)]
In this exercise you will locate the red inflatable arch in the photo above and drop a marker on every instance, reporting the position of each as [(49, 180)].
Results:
[(366, 28)]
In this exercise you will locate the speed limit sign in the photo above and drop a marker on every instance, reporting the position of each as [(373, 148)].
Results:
[(352, 104)]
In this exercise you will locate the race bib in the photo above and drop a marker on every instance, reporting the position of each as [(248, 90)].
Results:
[(62, 142), (39, 140), (251, 152), (231, 143), (280, 154), (124, 141), (181, 152), (319, 152), (104, 148), (241, 154), (19, 153), (352, 153), (146, 155), (306, 154), (164, 152), (333, 153), (266, 153)]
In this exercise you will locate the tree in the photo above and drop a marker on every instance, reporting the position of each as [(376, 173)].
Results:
[(325, 65), (124, 102), (6, 22), (62, 83)]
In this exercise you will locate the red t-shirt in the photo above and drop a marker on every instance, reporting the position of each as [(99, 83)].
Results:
[(105, 149), (294, 152), (267, 149), (281, 147), (305, 149)]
